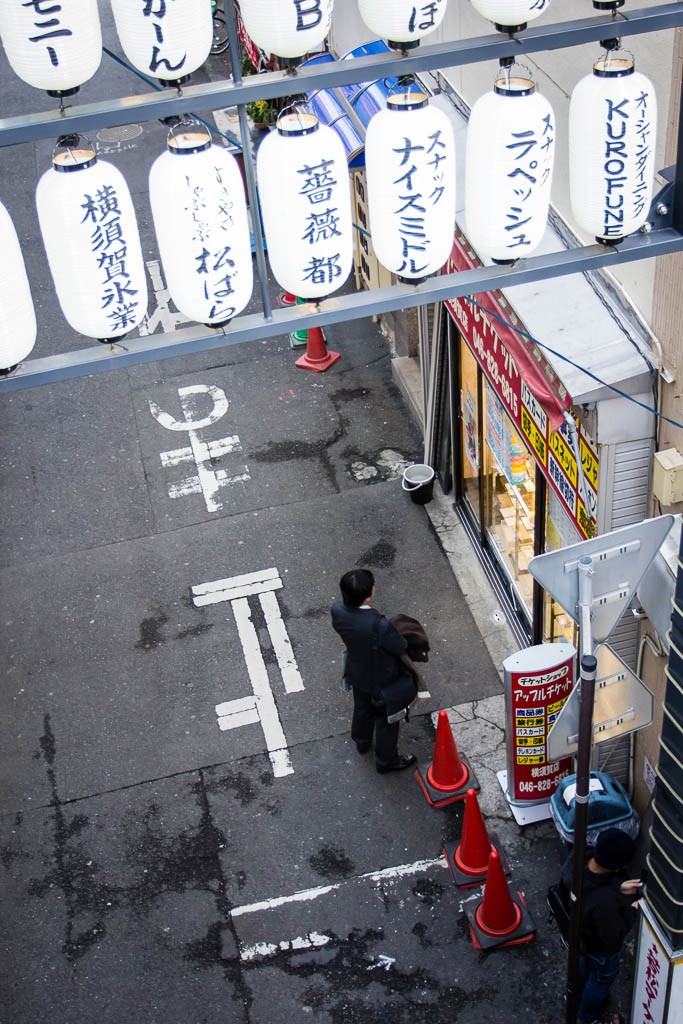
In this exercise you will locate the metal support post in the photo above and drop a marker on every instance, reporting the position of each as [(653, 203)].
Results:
[(589, 666), (252, 191)]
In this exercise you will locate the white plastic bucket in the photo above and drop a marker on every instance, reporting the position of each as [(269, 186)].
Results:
[(418, 480)]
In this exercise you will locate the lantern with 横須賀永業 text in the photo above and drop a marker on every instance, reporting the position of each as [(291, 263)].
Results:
[(91, 239)]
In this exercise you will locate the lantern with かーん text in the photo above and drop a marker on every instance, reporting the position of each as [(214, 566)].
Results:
[(91, 238), (52, 46), (410, 166), (17, 315), (202, 226), (612, 129), (167, 39), (306, 203), (510, 153), (403, 23), (510, 15), (287, 28)]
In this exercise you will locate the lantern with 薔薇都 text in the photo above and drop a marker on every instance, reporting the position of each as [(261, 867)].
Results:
[(52, 46), (167, 39), (509, 164), (17, 315), (202, 226), (403, 23), (612, 129), (305, 196), (91, 238), (510, 15), (287, 28), (410, 167)]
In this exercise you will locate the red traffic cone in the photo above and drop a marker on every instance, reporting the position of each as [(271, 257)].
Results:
[(316, 357), (468, 860), (288, 299), (499, 917), (449, 776)]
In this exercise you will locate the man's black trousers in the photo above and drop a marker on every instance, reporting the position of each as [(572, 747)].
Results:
[(370, 715)]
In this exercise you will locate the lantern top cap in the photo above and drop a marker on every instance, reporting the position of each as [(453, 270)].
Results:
[(73, 153), (407, 100), (609, 66), (514, 85), (297, 123), (188, 137)]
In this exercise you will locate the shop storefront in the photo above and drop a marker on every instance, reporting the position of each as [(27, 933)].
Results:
[(534, 460)]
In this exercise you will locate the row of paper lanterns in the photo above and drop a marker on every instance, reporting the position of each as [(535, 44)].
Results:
[(58, 47), (90, 233)]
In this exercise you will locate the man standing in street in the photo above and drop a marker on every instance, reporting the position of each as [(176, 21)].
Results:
[(374, 648), (607, 916)]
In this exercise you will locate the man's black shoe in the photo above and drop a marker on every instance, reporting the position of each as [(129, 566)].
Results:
[(400, 762), (362, 748)]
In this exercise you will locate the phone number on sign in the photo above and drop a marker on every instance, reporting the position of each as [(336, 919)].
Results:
[(539, 786)]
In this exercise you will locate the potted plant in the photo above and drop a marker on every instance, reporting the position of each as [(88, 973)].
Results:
[(262, 113)]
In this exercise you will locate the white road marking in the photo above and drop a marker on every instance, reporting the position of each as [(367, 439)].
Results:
[(314, 940), (383, 961), (304, 895), (261, 706), (161, 316), (208, 481)]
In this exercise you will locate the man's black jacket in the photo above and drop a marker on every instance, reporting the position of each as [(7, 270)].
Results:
[(374, 646)]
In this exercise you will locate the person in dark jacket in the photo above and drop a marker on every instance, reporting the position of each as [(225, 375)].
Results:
[(607, 915), (374, 648)]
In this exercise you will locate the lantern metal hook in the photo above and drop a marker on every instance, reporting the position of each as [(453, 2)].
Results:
[(612, 48), (70, 142), (506, 66), (297, 102)]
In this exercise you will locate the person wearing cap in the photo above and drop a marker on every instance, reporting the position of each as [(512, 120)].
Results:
[(607, 915)]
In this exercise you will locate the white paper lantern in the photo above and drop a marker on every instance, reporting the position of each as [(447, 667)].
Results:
[(306, 204), (92, 243), (17, 315), (612, 129), (202, 226), (410, 166), (52, 46), (167, 39), (510, 15), (403, 23), (287, 28), (510, 152)]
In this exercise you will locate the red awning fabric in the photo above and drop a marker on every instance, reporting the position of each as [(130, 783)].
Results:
[(537, 372)]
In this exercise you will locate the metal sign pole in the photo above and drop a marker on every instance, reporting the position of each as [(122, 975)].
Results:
[(589, 666)]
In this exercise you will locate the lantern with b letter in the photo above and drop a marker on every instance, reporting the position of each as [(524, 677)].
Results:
[(306, 204), (510, 15), (510, 154), (287, 28), (91, 238), (202, 226), (612, 129), (55, 47), (403, 23), (165, 40), (17, 316), (410, 166)]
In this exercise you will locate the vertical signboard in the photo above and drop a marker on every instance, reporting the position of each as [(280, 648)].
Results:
[(538, 680), (658, 984)]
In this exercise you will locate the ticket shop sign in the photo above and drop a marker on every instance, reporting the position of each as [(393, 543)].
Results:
[(538, 681), (531, 394)]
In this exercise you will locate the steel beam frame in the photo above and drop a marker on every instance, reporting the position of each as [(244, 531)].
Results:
[(666, 238)]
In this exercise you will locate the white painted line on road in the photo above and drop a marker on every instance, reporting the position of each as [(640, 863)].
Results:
[(240, 586), (304, 895), (314, 940), (281, 644), (276, 743)]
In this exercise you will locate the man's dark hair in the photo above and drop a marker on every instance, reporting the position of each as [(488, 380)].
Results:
[(356, 586)]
